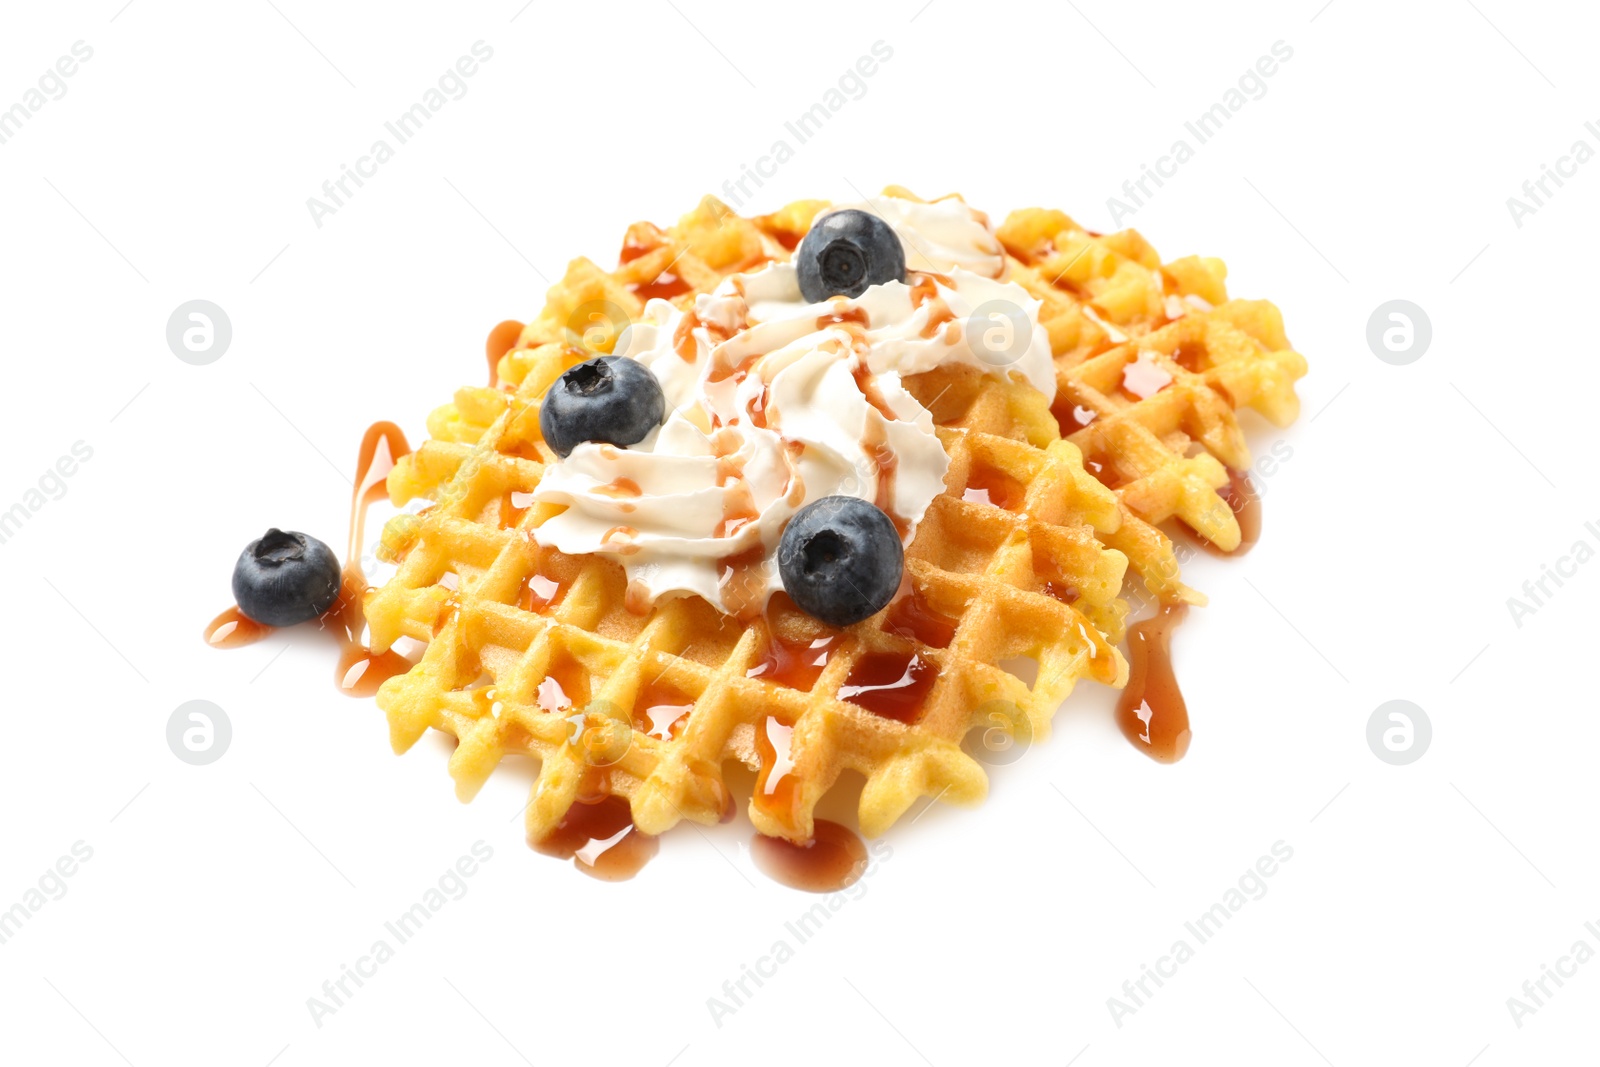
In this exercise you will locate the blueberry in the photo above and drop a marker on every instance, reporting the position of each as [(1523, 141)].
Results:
[(847, 251), (841, 559), (285, 578), (609, 398)]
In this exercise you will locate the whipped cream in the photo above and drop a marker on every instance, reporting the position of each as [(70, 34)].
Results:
[(774, 402)]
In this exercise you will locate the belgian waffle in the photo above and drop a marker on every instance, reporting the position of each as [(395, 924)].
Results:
[(534, 652)]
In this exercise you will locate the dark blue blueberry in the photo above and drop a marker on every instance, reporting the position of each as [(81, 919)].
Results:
[(847, 251), (841, 559), (285, 578), (609, 398)]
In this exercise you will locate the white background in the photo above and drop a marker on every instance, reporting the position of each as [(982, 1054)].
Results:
[(1417, 500)]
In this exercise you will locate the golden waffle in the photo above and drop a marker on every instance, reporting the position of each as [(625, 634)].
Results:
[(1108, 304), (534, 652)]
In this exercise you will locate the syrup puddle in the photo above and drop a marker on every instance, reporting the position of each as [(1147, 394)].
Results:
[(833, 859), (600, 840)]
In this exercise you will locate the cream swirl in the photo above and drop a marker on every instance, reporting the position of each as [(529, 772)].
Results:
[(774, 402)]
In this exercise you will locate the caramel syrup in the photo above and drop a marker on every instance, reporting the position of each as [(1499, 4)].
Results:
[(1071, 416), (923, 291), (619, 488), (876, 445), (1245, 502), (792, 664), (623, 540), (360, 671), (513, 505), (633, 247), (661, 711), (989, 486), (776, 791), (833, 859), (234, 629), (738, 502), (502, 339), (856, 316), (540, 592), (600, 839), (741, 581), (891, 684), (1151, 710), (664, 286), (564, 689), (1104, 468), (1062, 591), (1143, 378), (913, 618), (1190, 355)]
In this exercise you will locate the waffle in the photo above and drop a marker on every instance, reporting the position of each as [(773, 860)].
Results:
[(1117, 318), (533, 652)]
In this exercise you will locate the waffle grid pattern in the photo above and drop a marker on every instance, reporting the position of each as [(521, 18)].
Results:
[(531, 652), (1163, 433)]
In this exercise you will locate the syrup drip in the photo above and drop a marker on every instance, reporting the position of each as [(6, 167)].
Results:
[(502, 339), (876, 445), (641, 239), (833, 859), (601, 840), (360, 671), (891, 684), (923, 292), (1151, 710), (1241, 496), (776, 792), (923, 288), (638, 599)]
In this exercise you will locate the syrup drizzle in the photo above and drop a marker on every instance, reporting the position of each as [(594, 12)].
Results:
[(833, 859), (1151, 710), (1240, 495), (776, 792), (502, 339), (360, 671), (664, 286)]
